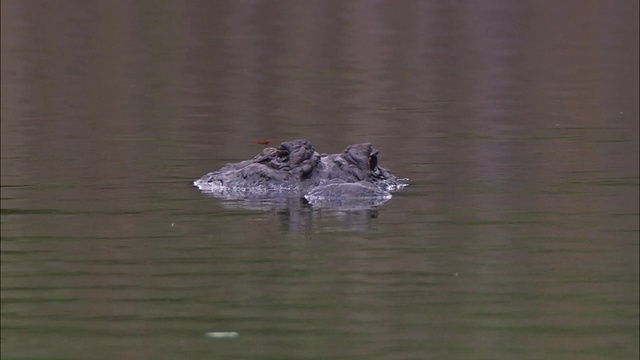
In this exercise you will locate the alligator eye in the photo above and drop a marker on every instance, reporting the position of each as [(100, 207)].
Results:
[(373, 162), (282, 154)]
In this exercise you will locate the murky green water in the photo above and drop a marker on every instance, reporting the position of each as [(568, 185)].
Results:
[(516, 123)]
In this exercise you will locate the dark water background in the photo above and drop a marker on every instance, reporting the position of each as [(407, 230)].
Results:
[(516, 122)]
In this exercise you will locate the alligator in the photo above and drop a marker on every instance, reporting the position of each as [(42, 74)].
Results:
[(295, 169)]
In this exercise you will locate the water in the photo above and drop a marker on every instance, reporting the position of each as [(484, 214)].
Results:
[(516, 123)]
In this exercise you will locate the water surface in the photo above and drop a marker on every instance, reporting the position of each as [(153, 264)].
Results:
[(516, 123)]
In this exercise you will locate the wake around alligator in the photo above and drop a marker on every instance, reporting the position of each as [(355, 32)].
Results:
[(296, 169)]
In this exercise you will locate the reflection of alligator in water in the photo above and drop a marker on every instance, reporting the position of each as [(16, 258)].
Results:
[(352, 178)]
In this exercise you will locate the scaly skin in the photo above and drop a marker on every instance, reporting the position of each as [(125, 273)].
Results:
[(296, 168)]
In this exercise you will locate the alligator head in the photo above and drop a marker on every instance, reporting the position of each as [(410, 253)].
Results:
[(296, 167)]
